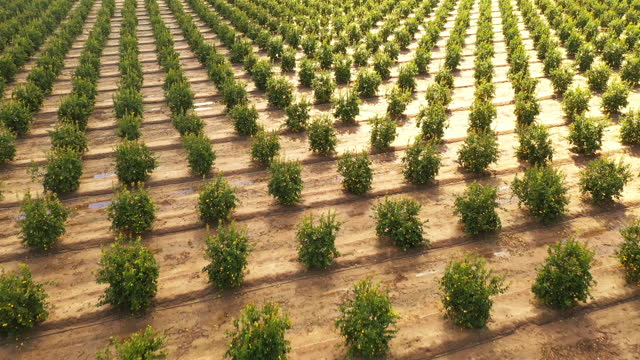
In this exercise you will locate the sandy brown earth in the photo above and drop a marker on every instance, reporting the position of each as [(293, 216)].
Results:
[(194, 316)]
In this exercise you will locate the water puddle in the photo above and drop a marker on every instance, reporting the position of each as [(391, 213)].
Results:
[(185, 192), (99, 204), (244, 182), (102, 176), (501, 254)]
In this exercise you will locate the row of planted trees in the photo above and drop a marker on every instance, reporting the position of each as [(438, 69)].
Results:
[(367, 320), (17, 114)]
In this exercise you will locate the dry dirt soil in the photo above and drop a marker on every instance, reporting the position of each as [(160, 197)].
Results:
[(194, 316)]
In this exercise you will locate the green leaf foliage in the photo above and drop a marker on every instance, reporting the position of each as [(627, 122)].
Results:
[(543, 191), (316, 243), (24, 302), (131, 272), (134, 162), (217, 200), (367, 321), (477, 209), (421, 162), (565, 278), (356, 172), (629, 252), (466, 289), (227, 253), (132, 211), (604, 179), (143, 345), (285, 183), (398, 220), (259, 333)]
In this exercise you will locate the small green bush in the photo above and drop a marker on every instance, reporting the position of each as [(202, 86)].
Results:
[(288, 63), (285, 183), (216, 201), (432, 120), (129, 127), (444, 77), (187, 123), (604, 180), (261, 72), (356, 172), (361, 55), (422, 59), (265, 147), (477, 209), (75, 109), (43, 221), (421, 162), (62, 171), (543, 191), (16, 116), (131, 272), (613, 53), (615, 97), (342, 69), (297, 115), (482, 115), (437, 94), (132, 211), (239, 50), (324, 54), (200, 154), (245, 119), (346, 107), (307, 73), (144, 345), (383, 132), (24, 302), (398, 220), (576, 102), (630, 72), (585, 134), (565, 277), (552, 61), (407, 77), (30, 95), (134, 162), (527, 108), (535, 145), (381, 64), (68, 136), (323, 87), (585, 56), (128, 101), (367, 83), (466, 290), (561, 79), (479, 150), (397, 101), (323, 137), (598, 76), (227, 253), (259, 334), (316, 243), (7, 145), (234, 93), (275, 48), (279, 92), (630, 128), (629, 252), (367, 321)]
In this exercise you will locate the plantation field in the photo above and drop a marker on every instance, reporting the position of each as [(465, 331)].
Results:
[(193, 314)]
